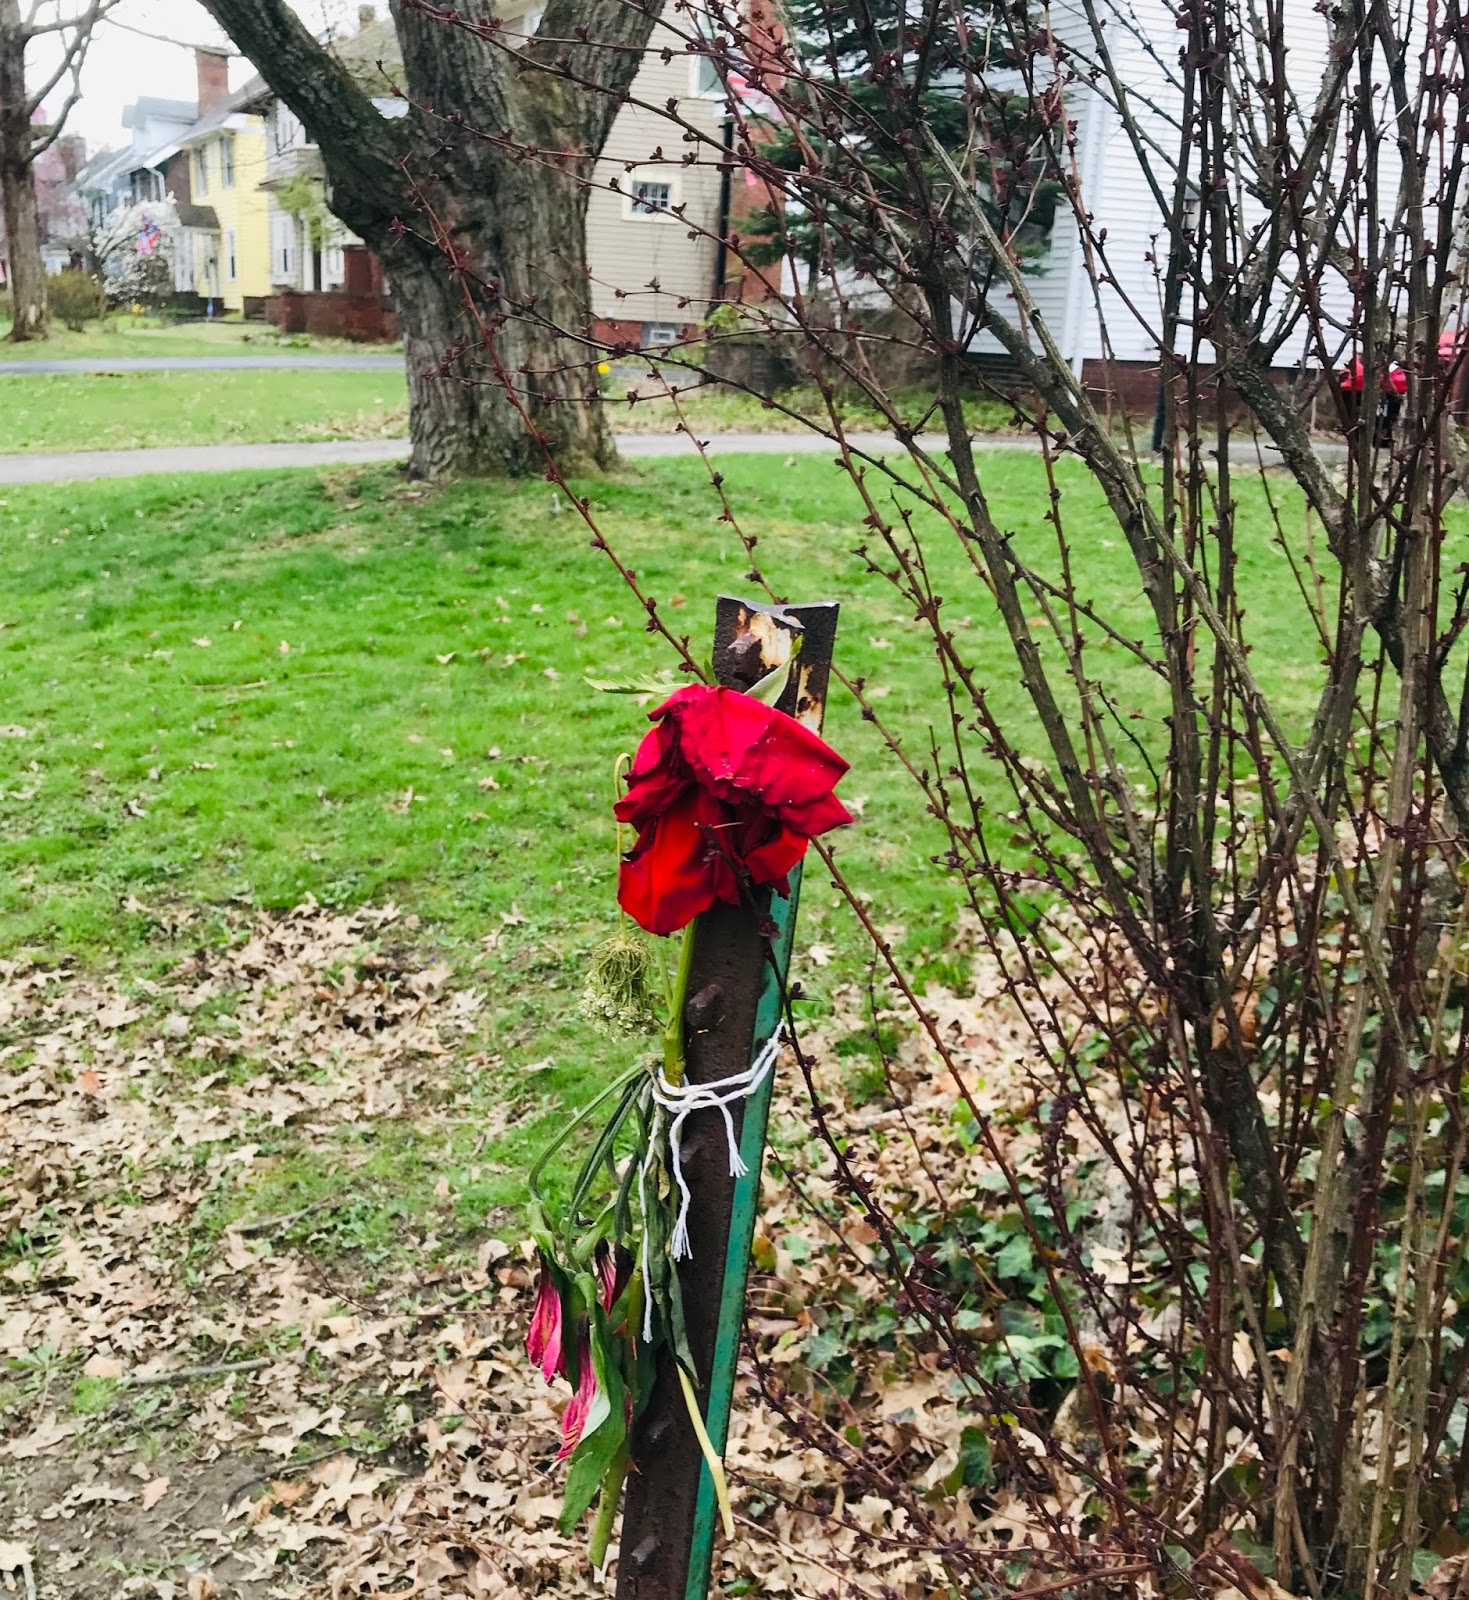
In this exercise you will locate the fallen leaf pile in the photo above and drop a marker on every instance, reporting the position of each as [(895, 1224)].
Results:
[(197, 1403), (196, 1406)]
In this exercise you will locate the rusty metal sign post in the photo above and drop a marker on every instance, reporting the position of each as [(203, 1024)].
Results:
[(735, 991)]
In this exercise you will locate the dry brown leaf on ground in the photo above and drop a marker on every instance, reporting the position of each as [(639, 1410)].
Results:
[(394, 1440)]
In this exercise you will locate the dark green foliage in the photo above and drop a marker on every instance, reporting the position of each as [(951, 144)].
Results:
[(76, 298), (872, 87)]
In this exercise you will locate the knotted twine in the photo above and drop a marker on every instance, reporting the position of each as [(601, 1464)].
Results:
[(676, 1102)]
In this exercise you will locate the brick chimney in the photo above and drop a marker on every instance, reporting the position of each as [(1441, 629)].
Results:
[(213, 68)]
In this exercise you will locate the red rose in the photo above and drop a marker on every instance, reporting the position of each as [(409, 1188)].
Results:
[(724, 791)]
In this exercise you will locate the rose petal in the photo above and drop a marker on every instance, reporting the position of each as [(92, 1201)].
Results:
[(739, 747), (657, 779), (770, 860), (676, 870)]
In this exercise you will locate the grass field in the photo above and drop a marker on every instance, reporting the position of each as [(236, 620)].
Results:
[(255, 688), (714, 409), (114, 411), (289, 654), (126, 336), (138, 410)]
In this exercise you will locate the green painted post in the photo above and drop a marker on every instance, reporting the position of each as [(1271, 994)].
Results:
[(736, 985), (744, 1212)]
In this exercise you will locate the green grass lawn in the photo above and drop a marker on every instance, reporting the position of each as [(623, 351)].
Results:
[(716, 409), (124, 335), (138, 410), (251, 688), (135, 410)]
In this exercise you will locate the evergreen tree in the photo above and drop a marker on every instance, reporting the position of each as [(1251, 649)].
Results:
[(875, 79)]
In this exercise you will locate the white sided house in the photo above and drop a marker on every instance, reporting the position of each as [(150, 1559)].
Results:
[(305, 249), (1110, 333), (652, 224)]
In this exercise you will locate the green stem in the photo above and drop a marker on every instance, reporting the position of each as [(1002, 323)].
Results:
[(612, 1088), (622, 916), (711, 1455), (673, 1061), (607, 1505), (660, 949)]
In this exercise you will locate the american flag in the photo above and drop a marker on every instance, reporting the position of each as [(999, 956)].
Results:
[(150, 236)]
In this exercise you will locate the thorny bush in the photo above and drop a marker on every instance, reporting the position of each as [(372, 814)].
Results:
[(1232, 1241)]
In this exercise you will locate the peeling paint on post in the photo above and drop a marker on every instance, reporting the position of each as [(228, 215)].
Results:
[(734, 1006)]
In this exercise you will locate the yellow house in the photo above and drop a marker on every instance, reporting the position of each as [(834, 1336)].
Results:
[(230, 239)]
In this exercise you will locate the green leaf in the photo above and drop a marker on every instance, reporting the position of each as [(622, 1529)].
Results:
[(661, 683), (1064, 1363), (1424, 1562), (821, 1349), (1261, 1555), (1178, 1554), (974, 1468), (603, 1436), (1015, 1259), (772, 686)]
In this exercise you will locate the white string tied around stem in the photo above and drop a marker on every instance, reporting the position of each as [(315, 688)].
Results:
[(677, 1102)]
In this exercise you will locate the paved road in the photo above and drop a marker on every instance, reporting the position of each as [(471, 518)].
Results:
[(82, 466), (221, 363)]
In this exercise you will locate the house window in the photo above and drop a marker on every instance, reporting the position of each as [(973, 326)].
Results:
[(227, 163), (286, 130), (659, 335), (229, 250), (201, 170), (707, 83), (283, 250), (650, 199)]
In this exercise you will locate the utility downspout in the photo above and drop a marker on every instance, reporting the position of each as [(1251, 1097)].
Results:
[(721, 247)]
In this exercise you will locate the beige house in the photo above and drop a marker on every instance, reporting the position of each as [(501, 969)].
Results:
[(633, 237)]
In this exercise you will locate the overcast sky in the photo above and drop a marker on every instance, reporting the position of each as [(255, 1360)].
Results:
[(122, 66)]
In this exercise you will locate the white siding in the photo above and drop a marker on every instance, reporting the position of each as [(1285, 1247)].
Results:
[(1124, 321), (629, 252), (285, 256)]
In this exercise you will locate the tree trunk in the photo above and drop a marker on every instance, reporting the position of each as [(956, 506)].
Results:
[(18, 183), (460, 420), (485, 254), (518, 313)]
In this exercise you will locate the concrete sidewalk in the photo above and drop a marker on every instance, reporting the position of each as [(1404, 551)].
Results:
[(84, 466), (73, 364)]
